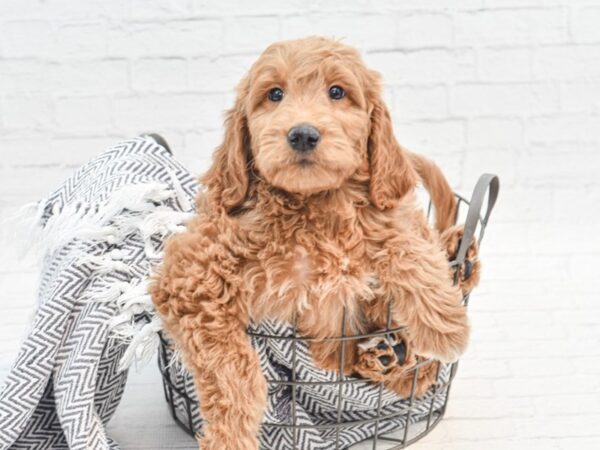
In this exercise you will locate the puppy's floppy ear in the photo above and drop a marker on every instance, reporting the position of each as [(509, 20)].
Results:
[(392, 174), (228, 178)]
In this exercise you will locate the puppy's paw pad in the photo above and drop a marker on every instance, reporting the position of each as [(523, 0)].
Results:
[(382, 354), (385, 360), (400, 352), (375, 359)]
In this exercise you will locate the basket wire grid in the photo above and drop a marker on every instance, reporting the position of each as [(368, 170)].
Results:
[(487, 187)]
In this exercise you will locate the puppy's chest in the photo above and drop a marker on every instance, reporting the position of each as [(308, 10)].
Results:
[(298, 277)]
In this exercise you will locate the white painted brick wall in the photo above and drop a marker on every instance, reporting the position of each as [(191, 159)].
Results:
[(506, 86)]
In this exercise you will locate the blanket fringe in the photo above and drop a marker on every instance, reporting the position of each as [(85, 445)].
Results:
[(142, 346), (138, 209)]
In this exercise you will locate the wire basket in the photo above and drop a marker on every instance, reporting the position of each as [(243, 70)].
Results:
[(387, 423)]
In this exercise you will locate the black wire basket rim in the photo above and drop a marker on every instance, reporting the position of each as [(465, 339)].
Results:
[(353, 337), (421, 362)]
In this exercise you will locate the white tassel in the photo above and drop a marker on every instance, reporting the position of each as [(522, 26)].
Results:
[(137, 293), (123, 324), (161, 221), (104, 264), (182, 197), (109, 295), (177, 360), (136, 197), (142, 346), (142, 339)]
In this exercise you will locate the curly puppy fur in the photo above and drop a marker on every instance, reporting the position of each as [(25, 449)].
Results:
[(280, 234)]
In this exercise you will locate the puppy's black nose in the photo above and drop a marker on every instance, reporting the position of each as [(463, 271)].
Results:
[(303, 137)]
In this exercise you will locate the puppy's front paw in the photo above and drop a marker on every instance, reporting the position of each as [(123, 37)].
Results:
[(390, 359), (378, 356), (446, 344), (470, 271)]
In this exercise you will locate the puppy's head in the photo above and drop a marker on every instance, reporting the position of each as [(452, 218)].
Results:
[(307, 117)]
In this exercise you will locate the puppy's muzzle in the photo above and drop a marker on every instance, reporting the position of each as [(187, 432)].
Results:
[(303, 137)]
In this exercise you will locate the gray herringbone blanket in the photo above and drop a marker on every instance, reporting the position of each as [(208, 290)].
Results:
[(100, 233)]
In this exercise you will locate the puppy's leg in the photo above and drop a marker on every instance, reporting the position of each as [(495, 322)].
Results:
[(230, 385), (470, 272), (203, 311), (414, 273)]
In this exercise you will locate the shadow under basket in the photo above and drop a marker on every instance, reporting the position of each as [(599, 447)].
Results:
[(314, 409)]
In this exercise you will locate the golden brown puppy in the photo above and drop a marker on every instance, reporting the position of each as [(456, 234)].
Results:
[(309, 209)]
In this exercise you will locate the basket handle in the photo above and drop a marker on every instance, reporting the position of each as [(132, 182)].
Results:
[(487, 182)]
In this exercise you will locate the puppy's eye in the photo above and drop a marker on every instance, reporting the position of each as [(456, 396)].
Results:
[(336, 92), (275, 95)]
